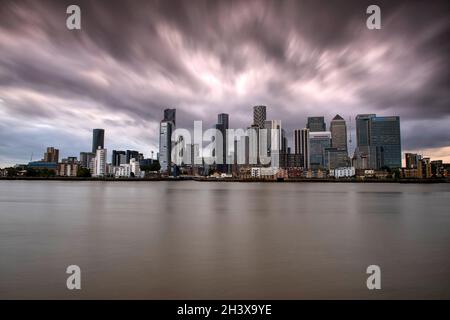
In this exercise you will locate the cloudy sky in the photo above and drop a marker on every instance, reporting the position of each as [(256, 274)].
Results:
[(132, 59)]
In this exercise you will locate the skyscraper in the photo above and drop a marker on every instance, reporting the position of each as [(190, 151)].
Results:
[(337, 155), (385, 136), (167, 126), (316, 124), (365, 156), (363, 129), (259, 116), (336, 158), (338, 130), (378, 139), (297, 138), (319, 141), (170, 115), (305, 147), (223, 126), (223, 118), (98, 139), (274, 142), (100, 163)]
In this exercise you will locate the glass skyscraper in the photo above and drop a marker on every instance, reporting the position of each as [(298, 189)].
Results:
[(222, 126), (319, 141), (316, 124), (363, 129), (167, 126), (170, 115), (378, 138), (385, 136), (98, 139)]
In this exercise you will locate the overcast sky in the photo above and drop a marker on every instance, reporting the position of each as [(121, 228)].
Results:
[(134, 58)]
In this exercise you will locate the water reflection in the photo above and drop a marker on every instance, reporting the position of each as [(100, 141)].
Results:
[(223, 240)]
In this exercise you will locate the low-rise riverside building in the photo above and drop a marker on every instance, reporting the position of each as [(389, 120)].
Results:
[(344, 172), (67, 169)]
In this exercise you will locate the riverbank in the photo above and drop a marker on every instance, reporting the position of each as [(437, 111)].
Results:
[(207, 179)]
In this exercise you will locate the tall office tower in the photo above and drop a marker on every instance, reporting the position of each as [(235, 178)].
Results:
[(284, 150), (316, 124), (52, 155), (117, 157), (363, 129), (98, 139), (297, 138), (319, 141), (223, 126), (336, 158), (170, 115), (378, 138), (223, 118), (273, 143), (412, 160), (304, 146), (241, 150), (338, 130), (253, 145), (284, 142), (259, 116), (167, 126), (100, 163), (365, 156), (273, 128), (385, 136)]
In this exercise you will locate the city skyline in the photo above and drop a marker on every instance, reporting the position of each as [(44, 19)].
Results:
[(129, 62), (294, 146), (261, 150)]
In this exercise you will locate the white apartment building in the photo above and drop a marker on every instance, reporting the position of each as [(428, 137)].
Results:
[(100, 163), (343, 172)]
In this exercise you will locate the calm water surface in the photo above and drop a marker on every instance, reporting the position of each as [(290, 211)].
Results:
[(188, 240)]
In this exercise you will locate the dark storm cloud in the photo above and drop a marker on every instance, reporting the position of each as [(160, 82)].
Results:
[(133, 59)]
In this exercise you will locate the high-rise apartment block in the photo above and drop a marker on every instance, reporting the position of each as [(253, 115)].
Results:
[(52, 155), (259, 116), (100, 163), (167, 126)]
